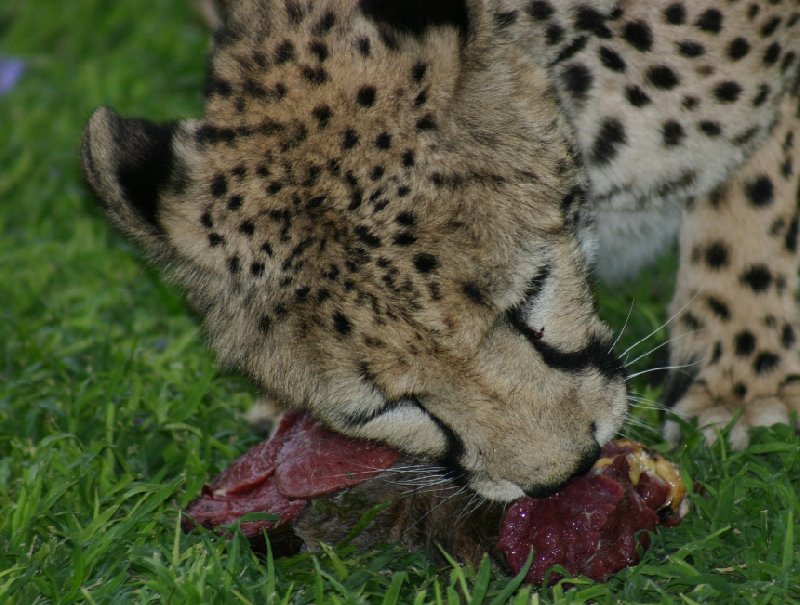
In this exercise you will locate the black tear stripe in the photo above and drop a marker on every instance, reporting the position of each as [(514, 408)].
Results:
[(454, 449), (597, 354), (417, 16)]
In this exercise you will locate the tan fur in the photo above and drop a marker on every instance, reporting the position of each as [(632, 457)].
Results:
[(388, 227)]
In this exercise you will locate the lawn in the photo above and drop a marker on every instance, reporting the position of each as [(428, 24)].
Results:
[(113, 413)]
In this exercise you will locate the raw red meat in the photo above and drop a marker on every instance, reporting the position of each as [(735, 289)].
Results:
[(302, 460), (591, 526), (314, 461)]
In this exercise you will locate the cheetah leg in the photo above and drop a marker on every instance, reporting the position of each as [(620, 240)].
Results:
[(736, 329)]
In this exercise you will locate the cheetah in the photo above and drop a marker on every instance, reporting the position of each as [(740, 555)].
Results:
[(389, 214)]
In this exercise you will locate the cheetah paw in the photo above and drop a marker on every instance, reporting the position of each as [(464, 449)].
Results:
[(713, 413)]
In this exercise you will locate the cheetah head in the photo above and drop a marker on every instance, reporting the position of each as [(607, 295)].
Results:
[(379, 219)]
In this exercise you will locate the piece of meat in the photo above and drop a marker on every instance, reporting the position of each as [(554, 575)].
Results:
[(314, 461), (321, 484), (301, 461)]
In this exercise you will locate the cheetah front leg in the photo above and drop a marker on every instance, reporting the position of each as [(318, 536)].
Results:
[(735, 334)]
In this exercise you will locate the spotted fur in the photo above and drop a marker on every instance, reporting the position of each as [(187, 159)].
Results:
[(386, 216)]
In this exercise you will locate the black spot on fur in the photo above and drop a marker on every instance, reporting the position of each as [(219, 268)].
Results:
[(417, 16), (716, 353), (610, 136), (325, 24), (709, 127), (760, 192), (366, 236), (320, 49), (738, 48), (740, 390), (341, 323), (366, 96), (590, 20), (383, 141), (540, 10), (719, 308), (349, 139), (474, 293), (573, 48), (219, 186), (772, 54), (744, 343), (577, 80), (637, 97), (315, 75), (763, 94), (553, 34), (405, 238), (284, 52), (662, 77), (675, 14), (691, 321), (612, 59), (727, 92), (716, 255), (247, 228), (791, 235), (710, 21), (265, 324), (426, 122), (691, 49), (788, 336), (405, 218), (425, 263), (639, 35), (364, 47), (758, 277), (672, 132), (770, 26), (766, 362)]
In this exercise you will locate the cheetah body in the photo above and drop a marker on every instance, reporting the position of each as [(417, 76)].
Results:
[(386, 212)]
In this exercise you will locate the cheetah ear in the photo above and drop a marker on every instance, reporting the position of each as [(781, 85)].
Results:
[(416, 16), (129, 163)]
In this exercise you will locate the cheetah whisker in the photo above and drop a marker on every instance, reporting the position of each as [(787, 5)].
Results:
[(460, 491), (663, 344), (659, 328), (625, 325), (645, 404), (643, 372), (470, 507)]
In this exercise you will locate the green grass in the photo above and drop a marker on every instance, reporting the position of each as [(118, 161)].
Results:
[(113, 413)]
